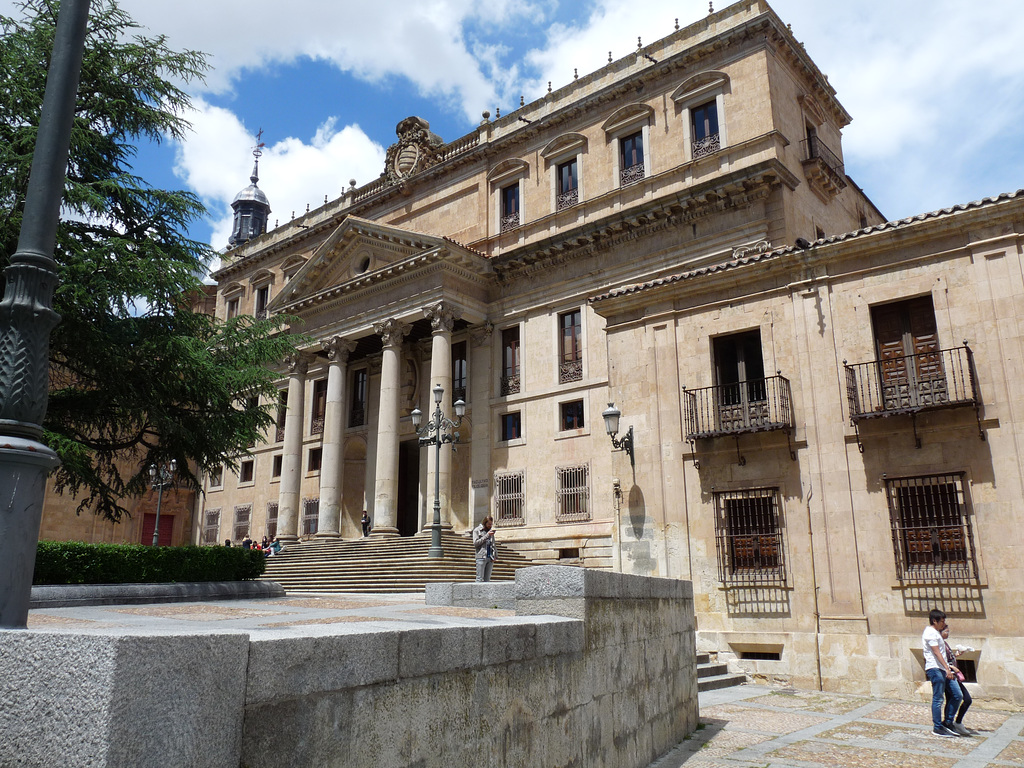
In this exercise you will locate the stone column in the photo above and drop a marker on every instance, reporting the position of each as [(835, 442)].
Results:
[(332, 467), (442, 320), (385, 490), (291, 461), (481, 384)]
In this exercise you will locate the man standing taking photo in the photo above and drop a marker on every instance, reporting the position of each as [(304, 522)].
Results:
[(939, 673)]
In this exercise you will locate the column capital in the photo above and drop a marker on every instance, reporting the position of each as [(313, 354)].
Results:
[(297, 363), (392, 331), (338, 348), (481, 334), (442, 316)]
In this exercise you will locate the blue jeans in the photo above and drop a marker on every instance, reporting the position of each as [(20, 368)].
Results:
[(966, 699), (942, 690)]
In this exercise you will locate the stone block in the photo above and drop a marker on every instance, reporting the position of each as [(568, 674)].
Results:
[(282, 667), (442, 593), (432, 651), (117, 700), (508, 642)]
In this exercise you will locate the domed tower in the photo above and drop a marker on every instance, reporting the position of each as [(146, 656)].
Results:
[(251, 206)]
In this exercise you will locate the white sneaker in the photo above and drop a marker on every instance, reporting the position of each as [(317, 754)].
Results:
[(960, 730)]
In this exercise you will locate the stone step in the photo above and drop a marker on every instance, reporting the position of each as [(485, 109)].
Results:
[(386, 565), (719, 681), (710, 669)]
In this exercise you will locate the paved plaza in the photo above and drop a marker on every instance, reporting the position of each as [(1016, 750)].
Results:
[(749, 726)]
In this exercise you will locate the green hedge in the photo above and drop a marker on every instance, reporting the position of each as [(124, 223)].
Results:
[(74, 562)]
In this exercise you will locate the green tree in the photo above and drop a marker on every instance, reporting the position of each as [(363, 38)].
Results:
[(137, 375)]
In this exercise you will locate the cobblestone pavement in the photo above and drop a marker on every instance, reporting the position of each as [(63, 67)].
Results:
[(753, 726)]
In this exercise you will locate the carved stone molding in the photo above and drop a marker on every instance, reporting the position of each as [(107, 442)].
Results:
[(338, 348), (417, 149), (442, 317), (481, 334), (392, 332), (297, 363)]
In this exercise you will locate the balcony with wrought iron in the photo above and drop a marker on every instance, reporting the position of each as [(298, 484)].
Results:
[(706, 146), (567, 199), (510, 222), (910, 384), (632, 174), (510, 385), (757, 405), (823, 168), (569, 371)]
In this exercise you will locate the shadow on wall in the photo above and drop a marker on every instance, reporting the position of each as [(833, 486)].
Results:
[(637, 537)]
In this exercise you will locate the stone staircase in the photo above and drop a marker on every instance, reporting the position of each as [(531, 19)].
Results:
[(712, 675), (383, 565)]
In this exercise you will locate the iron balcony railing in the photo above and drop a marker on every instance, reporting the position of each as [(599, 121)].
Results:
[(729, 409), (814, 149), (942, 378)]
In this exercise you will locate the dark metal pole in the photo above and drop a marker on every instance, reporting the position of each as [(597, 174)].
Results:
[(156, 524), (26, 319), (436, 550)]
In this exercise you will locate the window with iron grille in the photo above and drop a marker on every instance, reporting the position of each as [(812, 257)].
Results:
[(510, 361), (316, 422), (567, 175), (706, 138), (262, 300), (510, 207), (271, 519), (357, 413), (243, 513), (748, 536), (932, 538), (310, 514), (570, 364), (211, 528), (631, 158), (573, 494), (510, 498)]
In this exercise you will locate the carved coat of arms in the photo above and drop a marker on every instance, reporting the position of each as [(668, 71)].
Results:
[(416, 150)]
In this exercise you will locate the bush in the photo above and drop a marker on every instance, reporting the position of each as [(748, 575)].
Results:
[(75, 562)]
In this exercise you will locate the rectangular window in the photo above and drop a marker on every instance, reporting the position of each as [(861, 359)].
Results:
[(509, 498), (216, 477), (316, 456), (571, 415), (310, 516), (573, 494), (232, 308), (316, 423), (357, 413), (262, 299), (271, 519), (568, 185), (246, 471), (282, 413), (510, 361), (631, 158), (460, 371), (243, 513), (909, 359), (511, 426), (277, 465), (570, 366), (510, 207), (211, 527), (933, 541), (705, 129), (749, 537)]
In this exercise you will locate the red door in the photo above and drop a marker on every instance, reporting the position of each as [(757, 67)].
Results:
[(166, 527)]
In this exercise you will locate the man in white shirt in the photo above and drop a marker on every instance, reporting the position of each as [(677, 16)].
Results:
[(939, 673)]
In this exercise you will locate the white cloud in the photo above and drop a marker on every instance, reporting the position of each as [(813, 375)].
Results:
[(294, 172)]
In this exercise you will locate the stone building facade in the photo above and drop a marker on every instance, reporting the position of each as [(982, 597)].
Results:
[(675, 234)]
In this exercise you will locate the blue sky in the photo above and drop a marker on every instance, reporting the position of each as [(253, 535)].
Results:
[(935, 87)]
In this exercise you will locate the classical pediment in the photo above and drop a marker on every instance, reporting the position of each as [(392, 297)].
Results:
[(358, 251)]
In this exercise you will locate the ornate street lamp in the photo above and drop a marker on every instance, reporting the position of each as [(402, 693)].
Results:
[(160, 477), (611, 425), (433, 433)]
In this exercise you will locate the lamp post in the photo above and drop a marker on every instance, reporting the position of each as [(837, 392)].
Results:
[(160, 477), (611, 425), (433, 434)]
